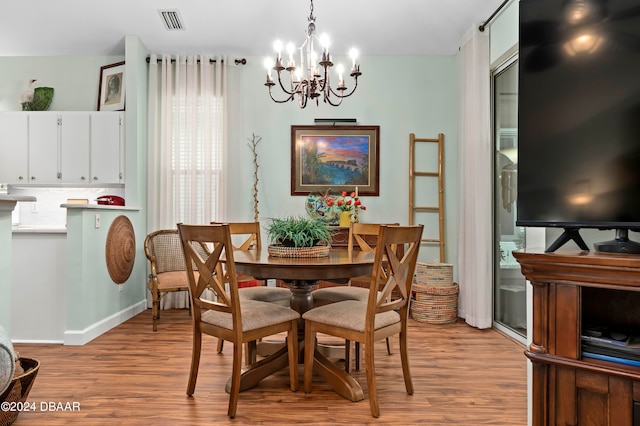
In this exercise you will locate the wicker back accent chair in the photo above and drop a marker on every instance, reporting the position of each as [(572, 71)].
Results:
[(167, 275), (384, 314), (228, 317)]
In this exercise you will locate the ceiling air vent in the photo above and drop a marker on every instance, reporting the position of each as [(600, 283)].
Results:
[(171, 19)]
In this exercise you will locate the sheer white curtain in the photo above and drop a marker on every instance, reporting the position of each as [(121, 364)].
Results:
[(187, 140), (475, 226), (187, 144)]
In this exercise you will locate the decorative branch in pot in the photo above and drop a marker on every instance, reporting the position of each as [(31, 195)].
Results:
[(298, 237), (253, 144)]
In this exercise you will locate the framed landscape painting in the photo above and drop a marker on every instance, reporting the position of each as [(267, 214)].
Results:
[(337, 157)]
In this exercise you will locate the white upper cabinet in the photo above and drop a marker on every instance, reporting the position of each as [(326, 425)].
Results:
[(106, 135), (80, 148), (74, 147), (14, 148), (43, 147)]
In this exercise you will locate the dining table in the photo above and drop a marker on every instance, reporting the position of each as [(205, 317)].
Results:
[(302, 275)]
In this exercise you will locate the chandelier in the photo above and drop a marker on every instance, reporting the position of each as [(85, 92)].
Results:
[(311, 80)]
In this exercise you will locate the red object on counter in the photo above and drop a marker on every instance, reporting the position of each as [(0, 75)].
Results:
[(110, 200)]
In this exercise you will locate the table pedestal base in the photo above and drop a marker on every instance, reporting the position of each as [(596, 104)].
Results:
[(343, 383)]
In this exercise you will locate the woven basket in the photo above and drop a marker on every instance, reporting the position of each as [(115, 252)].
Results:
[(434, 297), (19, 389), (434, 305), (434, 274), (284, 251), (120, 250)]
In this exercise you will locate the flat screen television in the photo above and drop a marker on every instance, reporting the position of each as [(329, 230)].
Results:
[(579, 119)]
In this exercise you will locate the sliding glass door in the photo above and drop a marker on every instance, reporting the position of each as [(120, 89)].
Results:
[(509, 294)]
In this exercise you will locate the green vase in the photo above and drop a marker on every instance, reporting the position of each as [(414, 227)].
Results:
[(42, 97)]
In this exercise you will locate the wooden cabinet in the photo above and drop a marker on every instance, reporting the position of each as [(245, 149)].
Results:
[(339, 236), (42, 148), (572, 291)]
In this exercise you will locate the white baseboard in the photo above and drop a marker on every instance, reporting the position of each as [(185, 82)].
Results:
[(81, 337), (40, 342)]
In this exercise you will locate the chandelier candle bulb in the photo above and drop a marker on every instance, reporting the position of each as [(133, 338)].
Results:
[(340, 70), (268, 63), (292, 64), (277, 45)]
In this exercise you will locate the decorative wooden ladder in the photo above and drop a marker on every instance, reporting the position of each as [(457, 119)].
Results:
[(438, 174)]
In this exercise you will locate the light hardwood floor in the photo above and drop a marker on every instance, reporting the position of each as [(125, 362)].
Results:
[(133, 376)]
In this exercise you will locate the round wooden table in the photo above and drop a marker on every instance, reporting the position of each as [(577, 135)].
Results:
[(301, 276)]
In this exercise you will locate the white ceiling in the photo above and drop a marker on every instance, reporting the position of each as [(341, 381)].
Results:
[(237, 27)]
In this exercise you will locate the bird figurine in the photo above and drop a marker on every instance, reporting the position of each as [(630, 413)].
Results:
[(26, 100)]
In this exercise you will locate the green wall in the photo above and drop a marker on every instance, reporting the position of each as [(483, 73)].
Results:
[(402, 95), (95, 302), (5, 263)]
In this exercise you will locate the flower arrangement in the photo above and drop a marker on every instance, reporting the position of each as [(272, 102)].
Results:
[(347, 202)]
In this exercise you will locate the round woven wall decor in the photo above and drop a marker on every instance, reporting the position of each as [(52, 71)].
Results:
[(120, 249)]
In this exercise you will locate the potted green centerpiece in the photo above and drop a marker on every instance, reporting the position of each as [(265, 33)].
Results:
[(298, 237)]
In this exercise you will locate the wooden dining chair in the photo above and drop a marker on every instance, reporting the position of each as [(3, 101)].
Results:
[(229, 317), (167, 274), (249, 287), (384, 314), (362, 236)]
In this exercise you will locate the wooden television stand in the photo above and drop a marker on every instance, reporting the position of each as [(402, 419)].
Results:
[(572, 292)]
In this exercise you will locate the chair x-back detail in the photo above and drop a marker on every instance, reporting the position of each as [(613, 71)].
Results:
[(229, 317), (249, 233), (384, 314), (250, 239), (363, 237)]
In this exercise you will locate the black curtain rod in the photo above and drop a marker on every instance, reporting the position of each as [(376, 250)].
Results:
[(241, 61), (485, 23)]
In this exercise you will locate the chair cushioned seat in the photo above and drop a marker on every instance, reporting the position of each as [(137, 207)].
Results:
[(349, 314), (279, 295), (254, 315), (172, 279), (341, 293)]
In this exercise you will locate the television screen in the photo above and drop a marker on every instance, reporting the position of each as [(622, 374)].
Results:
[(579, 115)]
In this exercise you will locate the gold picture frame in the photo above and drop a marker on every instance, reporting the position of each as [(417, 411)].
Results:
[(337, 157), (111, 91)]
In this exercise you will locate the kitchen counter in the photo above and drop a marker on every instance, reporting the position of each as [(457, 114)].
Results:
[(37, 229), (97, 207), (8, 202)]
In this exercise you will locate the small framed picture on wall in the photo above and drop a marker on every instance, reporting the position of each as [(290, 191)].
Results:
[(111, 92)]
